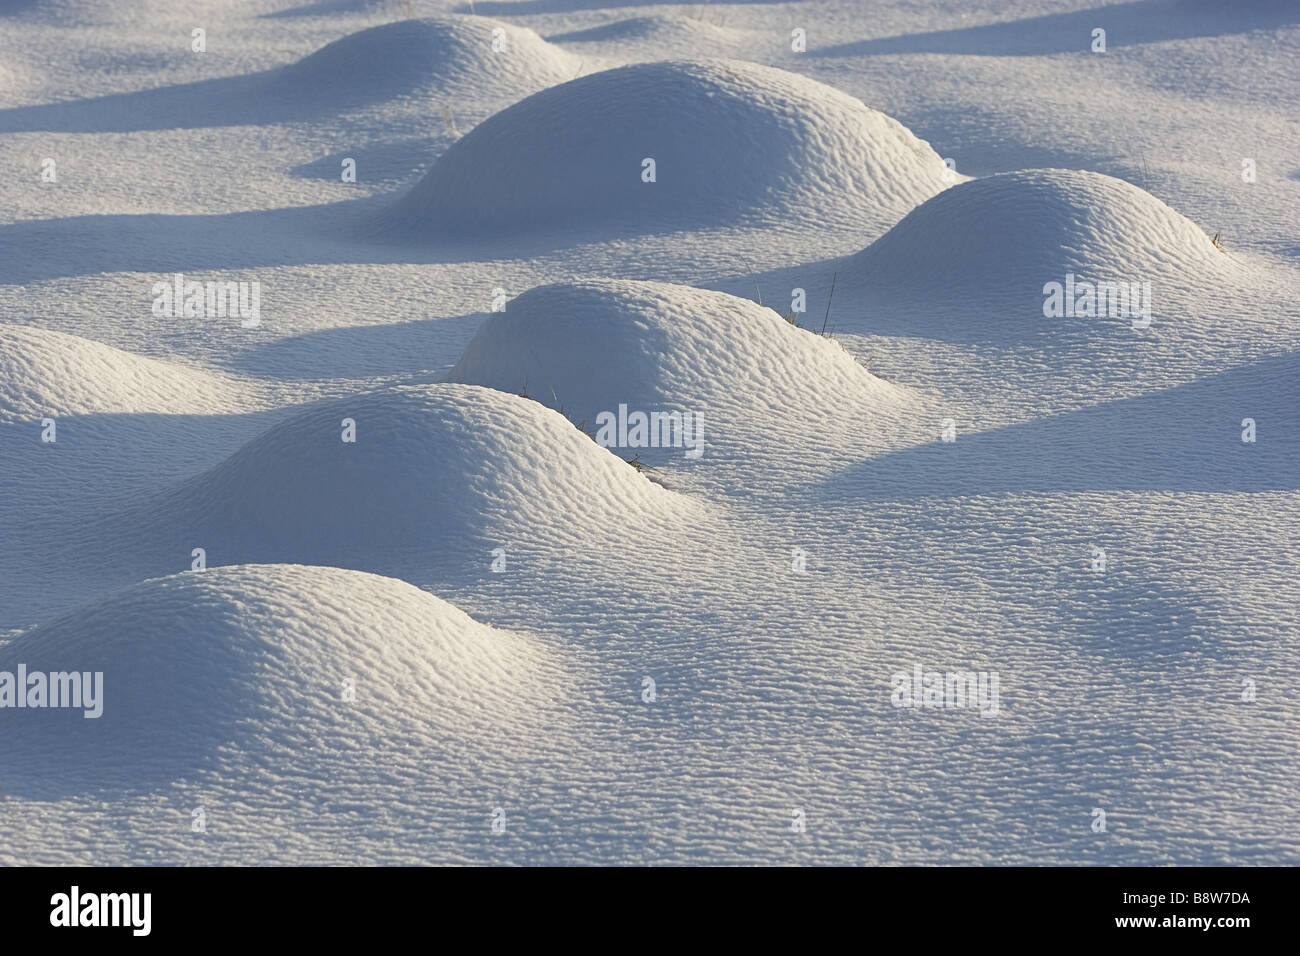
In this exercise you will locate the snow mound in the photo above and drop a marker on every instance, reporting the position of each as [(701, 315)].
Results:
[(451, 54), (1033, 226), (731, 142), (589, 346), (46, 373), (439, 471), (249, 655)]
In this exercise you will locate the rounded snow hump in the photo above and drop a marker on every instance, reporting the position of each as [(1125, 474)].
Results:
[(256, 659), (43, 372), (1031, 225), (672, 145), (451, 54), (439, 471), (746, 379), (996, 259)]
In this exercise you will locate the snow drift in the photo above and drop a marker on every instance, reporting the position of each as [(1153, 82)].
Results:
[(998, 257), (588, 347), (1033, 226), (258, 655), (730, 141), (444, 471), (450, 54), (46, 373), (472, 64)]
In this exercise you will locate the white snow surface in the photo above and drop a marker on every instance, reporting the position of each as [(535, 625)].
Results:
[(470, 55), (260, 656), (1039, 222), (435, 468), (754, 381), (728, 140), (44, 373), (368, 651)]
